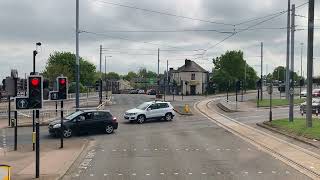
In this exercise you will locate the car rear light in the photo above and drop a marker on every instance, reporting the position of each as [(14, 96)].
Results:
[(114, 119)]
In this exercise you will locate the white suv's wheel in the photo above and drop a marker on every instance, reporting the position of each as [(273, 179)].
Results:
[(168, 117), (141, 119)]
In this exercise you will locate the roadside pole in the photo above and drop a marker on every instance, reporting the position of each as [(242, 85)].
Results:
[(261, 93), (100, 80), (77, 57), (310, 63), (37, 145), (288, 53), (270, 91), (9, 111), (62, 128), (15, 130), (292, 65)]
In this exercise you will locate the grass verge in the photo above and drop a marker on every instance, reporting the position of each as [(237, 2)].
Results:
[(298, 127), (277, 102)]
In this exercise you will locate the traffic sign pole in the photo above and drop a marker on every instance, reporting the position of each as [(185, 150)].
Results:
[(15, 130), (37, 145)]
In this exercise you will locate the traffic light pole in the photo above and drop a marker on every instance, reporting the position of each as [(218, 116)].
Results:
[(61, 128), (37, 145), (9, 110)]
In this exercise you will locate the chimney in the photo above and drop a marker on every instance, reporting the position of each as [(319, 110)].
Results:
[(187, 62)]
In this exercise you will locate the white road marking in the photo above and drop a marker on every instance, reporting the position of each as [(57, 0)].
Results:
[(161, 173), (91, 175), (166, 149), (259, 172), (176, 173), (218, 172), (203, 173), (119, 174), (124, 150), (197, 149), (134, 174), (228, 149), (147, 174), (156, 149), (273, 172), (114, 150), (105, 174), (287, 172), (190, 173)]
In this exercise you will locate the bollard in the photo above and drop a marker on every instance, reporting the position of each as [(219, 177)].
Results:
[(5, 172), (186, 108)]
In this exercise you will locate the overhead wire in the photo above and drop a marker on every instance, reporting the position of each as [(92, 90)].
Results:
[(162, 13)]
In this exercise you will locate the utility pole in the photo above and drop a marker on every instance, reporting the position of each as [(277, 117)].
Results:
[(310, 63), (292, 64), (288, 51), (100, 90), (301, 67), (245, 76), (105, 74), (166, 83), (158, 79), (261, 92), (77, 55)]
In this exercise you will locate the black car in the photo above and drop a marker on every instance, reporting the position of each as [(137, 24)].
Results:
[(84, 122)]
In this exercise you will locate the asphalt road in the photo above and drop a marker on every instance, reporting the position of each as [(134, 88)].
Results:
[(189, 147)]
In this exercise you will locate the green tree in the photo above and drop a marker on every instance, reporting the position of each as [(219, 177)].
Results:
[(130, 76), (65, 63), (112, 76), (230, 67), (279, 74)]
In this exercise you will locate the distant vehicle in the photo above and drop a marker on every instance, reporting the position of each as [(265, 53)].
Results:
[(151, 92), (315, 106), (134, 91), (83, 122), (141, 91), (316, 93), (150, 110), (303, 93)]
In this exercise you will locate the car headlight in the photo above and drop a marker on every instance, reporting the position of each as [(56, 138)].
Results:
[(57, 126), (133, 113)]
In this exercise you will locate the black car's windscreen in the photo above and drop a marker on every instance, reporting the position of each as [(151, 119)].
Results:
[(73, 115)]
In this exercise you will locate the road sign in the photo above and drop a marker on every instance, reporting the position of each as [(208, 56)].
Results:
[(22, 103), (291, 91), (270, 89), (54, 95), (151, 81)]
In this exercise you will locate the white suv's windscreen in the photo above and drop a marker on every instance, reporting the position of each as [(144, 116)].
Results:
[(143, 106)]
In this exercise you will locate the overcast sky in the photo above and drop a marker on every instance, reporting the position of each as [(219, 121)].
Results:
[(52, 22)]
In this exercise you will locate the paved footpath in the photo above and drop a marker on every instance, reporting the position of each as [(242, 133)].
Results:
[(301, 159)]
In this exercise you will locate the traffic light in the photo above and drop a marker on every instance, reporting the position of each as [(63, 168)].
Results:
[(62, 88), (97, 85), (301, 82), (35, 91)]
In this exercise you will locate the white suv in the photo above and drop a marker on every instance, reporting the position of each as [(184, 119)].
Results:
[(150, 110)]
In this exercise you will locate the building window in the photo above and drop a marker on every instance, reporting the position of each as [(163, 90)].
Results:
[(193, 76)]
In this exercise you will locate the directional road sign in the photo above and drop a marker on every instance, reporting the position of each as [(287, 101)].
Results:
[(22, 103), (291, 91), (54, 95)]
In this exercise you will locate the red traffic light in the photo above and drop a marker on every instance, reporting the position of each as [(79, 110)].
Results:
[(35, 82), (62, 81)]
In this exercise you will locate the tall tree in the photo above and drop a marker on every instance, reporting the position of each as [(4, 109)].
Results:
[(112, 76), (279, 74), (130, 76), (65, 63), (230, 67)]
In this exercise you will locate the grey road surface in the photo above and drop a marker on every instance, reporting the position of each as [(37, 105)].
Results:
[(189, 147)]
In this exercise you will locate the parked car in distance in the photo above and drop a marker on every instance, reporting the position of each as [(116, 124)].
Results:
[(150, 110), (141, 91), (84, 122), (151, 92), (316, 93), (303, 93), (315, 106), (134, 91)]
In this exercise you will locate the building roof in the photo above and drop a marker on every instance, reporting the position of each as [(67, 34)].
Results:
[(190, 66)]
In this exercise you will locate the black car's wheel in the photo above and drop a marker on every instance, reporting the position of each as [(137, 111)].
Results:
[(168, 117), (109, 129), (67, 133), (141, 119)]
